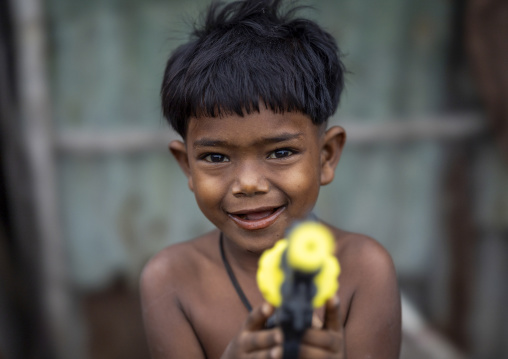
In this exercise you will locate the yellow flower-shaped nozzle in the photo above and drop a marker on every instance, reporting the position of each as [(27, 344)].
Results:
[(270, 274), (309, 249), (309, 244)]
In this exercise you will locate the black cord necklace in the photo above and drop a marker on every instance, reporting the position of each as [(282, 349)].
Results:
[(232, 277)]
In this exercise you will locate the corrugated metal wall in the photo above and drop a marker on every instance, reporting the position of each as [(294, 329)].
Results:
[(118, 208)]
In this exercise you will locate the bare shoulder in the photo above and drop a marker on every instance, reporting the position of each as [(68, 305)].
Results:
[(173, 266), (365, 255)]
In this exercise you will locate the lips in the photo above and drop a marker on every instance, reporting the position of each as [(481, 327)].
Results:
[(256, 218)]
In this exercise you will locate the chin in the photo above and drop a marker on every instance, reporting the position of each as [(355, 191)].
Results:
[(259, 243)]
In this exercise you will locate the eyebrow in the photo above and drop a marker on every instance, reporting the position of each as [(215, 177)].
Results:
[(283, 137)]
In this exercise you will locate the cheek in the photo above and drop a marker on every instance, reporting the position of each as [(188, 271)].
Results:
[(304, 186), (208, 191)]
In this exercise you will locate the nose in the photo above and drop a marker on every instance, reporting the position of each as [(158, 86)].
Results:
[(249, 181)]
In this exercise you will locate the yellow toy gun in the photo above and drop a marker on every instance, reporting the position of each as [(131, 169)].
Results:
[(296, 276)]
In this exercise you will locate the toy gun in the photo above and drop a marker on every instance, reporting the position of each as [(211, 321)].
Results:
[(296, 276)]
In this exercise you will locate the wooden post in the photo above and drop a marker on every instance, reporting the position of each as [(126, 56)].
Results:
[(462, 233), (58, 307)]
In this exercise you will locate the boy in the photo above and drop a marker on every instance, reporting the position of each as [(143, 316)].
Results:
[(250, 94)]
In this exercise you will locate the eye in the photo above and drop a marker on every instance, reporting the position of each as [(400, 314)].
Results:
[(283, 152), (215, 158)]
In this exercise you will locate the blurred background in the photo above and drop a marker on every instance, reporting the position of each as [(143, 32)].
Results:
[(89, 192)]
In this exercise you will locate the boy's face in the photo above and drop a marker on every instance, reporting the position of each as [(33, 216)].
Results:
[(253, 176)]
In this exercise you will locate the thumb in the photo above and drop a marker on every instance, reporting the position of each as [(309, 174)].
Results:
[(333, 320)]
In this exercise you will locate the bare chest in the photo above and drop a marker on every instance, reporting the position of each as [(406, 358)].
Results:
[(217, 314)]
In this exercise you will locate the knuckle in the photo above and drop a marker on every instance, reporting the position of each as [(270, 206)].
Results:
[(335, 342), (274, 339), (332, 342), (253, 343), (266, 340), (243, 339)]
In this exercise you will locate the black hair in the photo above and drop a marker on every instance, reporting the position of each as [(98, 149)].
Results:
[(247, 52)]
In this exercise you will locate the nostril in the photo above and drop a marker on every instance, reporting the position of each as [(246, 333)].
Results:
[(250, 185)]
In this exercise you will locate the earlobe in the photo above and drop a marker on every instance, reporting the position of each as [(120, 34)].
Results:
[(179, 151), (331, 150)]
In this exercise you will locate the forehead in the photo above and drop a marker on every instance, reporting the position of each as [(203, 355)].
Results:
[(252, 127)]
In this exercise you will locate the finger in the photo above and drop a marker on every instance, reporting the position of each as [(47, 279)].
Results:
[(332, 314), (273, 353), (263, 339), (316, 322), (324, 339), (257, 318)]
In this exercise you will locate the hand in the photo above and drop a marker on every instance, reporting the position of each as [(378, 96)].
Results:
[(327, 342), (254, 341)]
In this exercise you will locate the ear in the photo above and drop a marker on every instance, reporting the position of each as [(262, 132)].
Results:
[(179, 151), (333, 143)]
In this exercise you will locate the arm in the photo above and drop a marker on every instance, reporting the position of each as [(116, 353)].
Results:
[(373, 326), (169, 333)]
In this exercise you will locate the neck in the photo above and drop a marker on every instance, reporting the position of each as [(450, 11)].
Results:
[(241, 259)]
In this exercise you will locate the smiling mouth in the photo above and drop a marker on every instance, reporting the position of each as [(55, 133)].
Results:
[(257, 219)]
